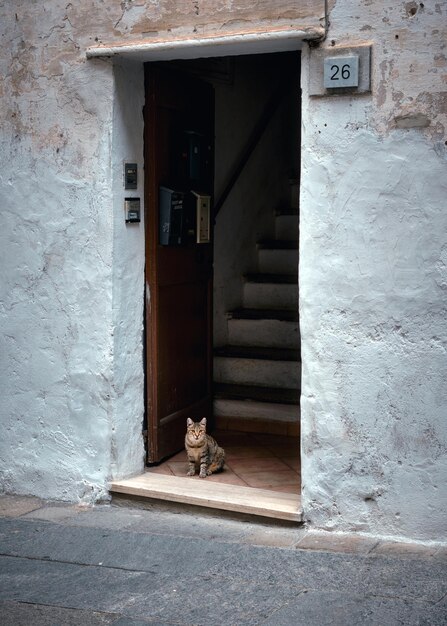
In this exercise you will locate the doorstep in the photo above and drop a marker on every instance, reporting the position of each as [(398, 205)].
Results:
[(235, 498)]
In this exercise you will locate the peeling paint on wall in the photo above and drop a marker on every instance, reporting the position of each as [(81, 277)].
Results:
[(203, 18)]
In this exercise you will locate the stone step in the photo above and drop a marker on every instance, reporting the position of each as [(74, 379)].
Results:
[(257, 370), (263, 353), (289, 279), (236, 498), (278, 244), (284, 315), (253, 393), (286, 210), (294, 192), (277, 260), (270, 295), (257, 409), (253, 410), (286, 227), (264, 332)]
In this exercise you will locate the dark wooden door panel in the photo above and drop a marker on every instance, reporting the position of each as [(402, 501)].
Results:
[(183, 367), (177, 266), (178, 278)]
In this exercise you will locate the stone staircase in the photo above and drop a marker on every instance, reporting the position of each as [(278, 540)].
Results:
[(257, 376)]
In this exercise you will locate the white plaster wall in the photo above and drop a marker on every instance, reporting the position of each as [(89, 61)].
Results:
[(64, 424), (373, 280), (128, 275), (373, 267)]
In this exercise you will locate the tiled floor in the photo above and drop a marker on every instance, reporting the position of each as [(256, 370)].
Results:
[(252, 460)]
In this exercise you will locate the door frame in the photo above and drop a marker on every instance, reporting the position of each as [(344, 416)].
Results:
[(178, 50)]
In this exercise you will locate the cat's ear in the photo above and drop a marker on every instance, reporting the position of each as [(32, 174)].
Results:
[(189, 422), (203, 421)]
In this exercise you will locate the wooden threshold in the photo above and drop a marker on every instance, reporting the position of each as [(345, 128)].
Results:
[(262, 502)]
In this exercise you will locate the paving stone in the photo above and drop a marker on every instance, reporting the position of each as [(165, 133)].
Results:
[(112, 517), (57, 512), (109, 548), (172, 568), (419, 579), (181, 509), (73, 586), (208, 601), (441, 554), (329, 608), (200, 600), (191, 525), (404, 549), (215, 528), (300, 569), (274, 537), (336, 543), (14, 506), (129, 621), (20, 614), (106, 516), (337, 572)]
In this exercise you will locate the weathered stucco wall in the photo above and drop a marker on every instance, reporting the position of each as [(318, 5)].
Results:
[(72, 271), (68, 412), (373, 279), (127, 451), (136, 21), (373, 260), (71, 299)]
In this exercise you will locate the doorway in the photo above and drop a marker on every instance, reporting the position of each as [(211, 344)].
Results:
[(222, 316)]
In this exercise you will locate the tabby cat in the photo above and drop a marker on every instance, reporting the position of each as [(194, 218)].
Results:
[(202, 450)]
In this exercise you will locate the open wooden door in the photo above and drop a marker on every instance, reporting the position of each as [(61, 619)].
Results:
[(179, 151)]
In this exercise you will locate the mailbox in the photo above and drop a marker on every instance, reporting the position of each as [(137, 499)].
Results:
[(172, 209)]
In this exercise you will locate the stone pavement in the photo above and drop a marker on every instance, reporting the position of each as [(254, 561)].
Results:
[(65, 565)]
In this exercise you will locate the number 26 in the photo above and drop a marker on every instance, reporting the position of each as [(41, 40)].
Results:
[(345, 71)]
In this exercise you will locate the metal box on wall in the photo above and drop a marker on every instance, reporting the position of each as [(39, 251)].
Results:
[(172, 206)]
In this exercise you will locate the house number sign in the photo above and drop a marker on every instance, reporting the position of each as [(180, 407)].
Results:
[(341, 72)]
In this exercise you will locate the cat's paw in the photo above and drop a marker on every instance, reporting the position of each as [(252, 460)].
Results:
[(191, 472), (203, 474)]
